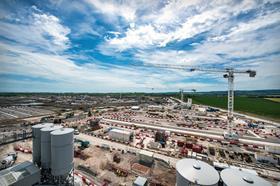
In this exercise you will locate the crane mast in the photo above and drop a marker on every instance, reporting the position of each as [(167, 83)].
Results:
[(182, 95), (229, 74), (230, 118), (182, 92)]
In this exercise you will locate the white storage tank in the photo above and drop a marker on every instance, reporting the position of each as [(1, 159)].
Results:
[(46, 145), (195, 172), (62, 151), (36, 142), (233, 177)]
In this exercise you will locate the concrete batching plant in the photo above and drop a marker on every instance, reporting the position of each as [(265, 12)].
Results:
[(46, 146), (53, 159), (36, 134)]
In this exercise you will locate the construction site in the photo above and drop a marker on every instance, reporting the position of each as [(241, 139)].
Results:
[(139, 93), (143, 144), (161, 141)]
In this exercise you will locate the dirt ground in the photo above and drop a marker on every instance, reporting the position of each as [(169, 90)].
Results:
[(5, 149), (100, 158), (163, 174)]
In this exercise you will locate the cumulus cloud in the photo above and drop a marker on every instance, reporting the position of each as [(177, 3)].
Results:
[(130, 34), (39, 29)]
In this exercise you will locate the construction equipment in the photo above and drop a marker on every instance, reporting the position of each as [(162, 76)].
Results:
[(117, 158), (8, 161), (83, 143), (229, 74)]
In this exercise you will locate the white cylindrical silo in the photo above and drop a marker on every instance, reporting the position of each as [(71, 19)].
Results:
[(62, 151), (195, 172), (46, 145), (233, 177), (36, 142)]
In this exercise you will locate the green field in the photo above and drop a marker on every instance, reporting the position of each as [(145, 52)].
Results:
[(262, 107), (274, 99)]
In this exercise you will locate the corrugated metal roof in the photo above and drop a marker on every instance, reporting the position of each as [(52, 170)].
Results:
[(120, 131), (17, 172), (141, 181), (147, 153)]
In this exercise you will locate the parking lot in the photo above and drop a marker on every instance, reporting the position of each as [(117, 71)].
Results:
[(18, 112)]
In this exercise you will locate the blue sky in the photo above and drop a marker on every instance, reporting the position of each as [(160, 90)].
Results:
[(111, 46)]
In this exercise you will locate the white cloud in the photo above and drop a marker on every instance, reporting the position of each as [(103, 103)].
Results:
[(243, 28), (179, 20), (38, 29), (181, 57), (113, 8), (147, 27), (50, 25)]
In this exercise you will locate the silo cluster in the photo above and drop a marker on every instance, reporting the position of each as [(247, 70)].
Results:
[(53, 149), (46, 145), (36, 145)]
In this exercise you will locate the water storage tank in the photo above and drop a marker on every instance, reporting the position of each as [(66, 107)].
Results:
[(195, 172), (36, 144), (46, 145), (233, 177), (62, 151)]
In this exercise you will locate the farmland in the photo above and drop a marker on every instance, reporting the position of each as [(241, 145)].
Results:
[(268, 109), (274, 99)]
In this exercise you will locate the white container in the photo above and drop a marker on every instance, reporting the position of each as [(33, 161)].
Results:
[(195, 172), (62, 151), (36, 144), (233, 177), (120, 134), (272, 149), (46, 145), (146, 156)]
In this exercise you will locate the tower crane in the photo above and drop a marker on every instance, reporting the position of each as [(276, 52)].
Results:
[(229, 73), (182, 92)]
